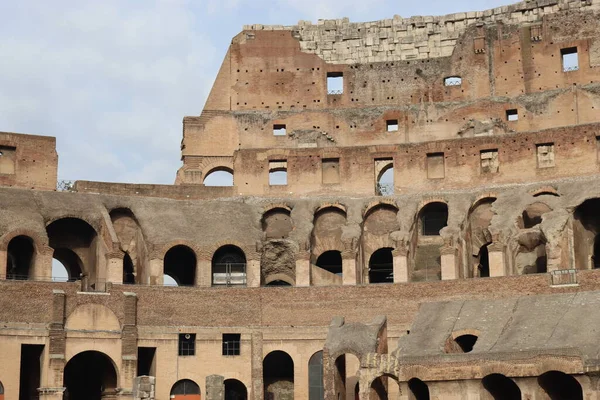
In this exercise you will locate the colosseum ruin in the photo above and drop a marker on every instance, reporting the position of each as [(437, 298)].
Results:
[(414, 213)]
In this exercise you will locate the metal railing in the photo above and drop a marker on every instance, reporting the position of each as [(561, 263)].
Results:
[(384, 189), (64, 185), (338, 91), (229, 274), (572, 68)]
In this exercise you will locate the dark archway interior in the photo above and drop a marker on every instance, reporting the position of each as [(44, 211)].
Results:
[(19, 258), (278, 282), (180, 264), (331, 261), (597, 252), (72, 240), (229, 266), (484, 262), (379, 388), (235, 390), (185, 387), (128, 274), (466, 342), (278, 376), (381, 266), (434, 217), (88, 375), (501, 387), (560, 386), (71, 262), (418, 389)]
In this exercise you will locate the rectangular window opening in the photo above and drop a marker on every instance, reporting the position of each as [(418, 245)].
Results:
[(331, 170), (570, 59), (435, 166), (512, 115), (279, 130), (146, 365), (187, 344), (453, 81), (392, 125), (335, 82), (231, 344), (31, 371), (278, 173)]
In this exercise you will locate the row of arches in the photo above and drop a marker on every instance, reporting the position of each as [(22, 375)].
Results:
[(556, 385)]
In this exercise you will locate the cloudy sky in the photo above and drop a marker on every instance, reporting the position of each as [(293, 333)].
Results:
[(112, 79)]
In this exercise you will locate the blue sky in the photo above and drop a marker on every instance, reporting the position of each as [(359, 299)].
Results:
[(113, 79)]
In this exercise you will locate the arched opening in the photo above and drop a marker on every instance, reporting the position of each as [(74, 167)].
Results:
[(483, 268), (315, 376), (346, 376), (235, 390), (229, 266), (379, 388), (560, 386), (278, 282), (434, 217), (278, 172), (180, 264), (74, 244), (1, 391), (277, 223), (219, 177), (169, 281), (331, 261), (381, 266), (90, 375), (532, 215), (60, 271), (185, 389), (278, 376), (501, 387), (385, 181), (418, 390), (128, 274), (466, 342), (586, 228), (19, 258)]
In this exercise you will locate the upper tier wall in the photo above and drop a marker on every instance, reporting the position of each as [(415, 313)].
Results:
[(343, 42)]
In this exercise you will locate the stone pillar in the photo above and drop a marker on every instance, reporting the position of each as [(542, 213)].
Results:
[(129, 344), (144, 388), (303, 272), (349, 275), (52, 388), (42, 264), (203, 273), (449, 261), (114, 273), (156, 272), (3, 257), (257, 389), (215, 387), (400, 265), (253, 273), (496, 254)]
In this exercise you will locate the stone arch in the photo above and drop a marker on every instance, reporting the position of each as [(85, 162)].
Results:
[(500, 387), (92, 317), (276, 278), (427, 241), (180, 263), (235, 390), (91, 375), (545, 191), (20, 258), (560, 386), (532, 215), (185, 389), (131, 243), (346, 368), (381, 266), (76, 245), (586, 230), (418, 389), (380, 388), (224, 173), (278, 375), (228, 266), (478, 236), (327, 230), (39, 241), (277, 223)]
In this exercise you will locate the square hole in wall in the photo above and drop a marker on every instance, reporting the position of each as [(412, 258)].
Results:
[(512, 115), (489, 161), (545, 155), (279, 130), (335, 82), (435, 166), (391, 125), (331, 170), (8, 156), (570, 59)]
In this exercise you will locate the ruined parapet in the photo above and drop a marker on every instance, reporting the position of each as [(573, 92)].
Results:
[(357, 339), (144, 388), (419, 37)]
